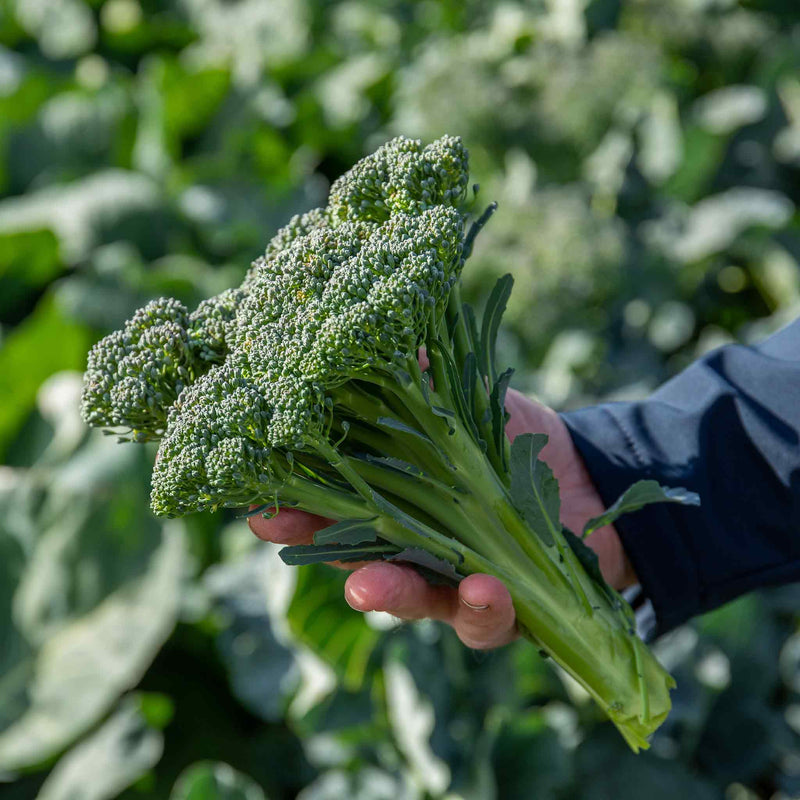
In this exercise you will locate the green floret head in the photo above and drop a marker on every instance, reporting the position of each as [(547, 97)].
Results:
[(352, 291), (337, 303), (340, 291), (211, 326), (134, 375), (402, 176), (386, 294), (192, 472)]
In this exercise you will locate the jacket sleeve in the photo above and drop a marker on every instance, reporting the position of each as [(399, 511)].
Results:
[(728, 428)]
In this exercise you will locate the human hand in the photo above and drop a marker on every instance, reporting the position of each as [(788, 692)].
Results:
[(480, 609)]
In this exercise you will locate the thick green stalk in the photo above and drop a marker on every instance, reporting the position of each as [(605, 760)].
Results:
[(316, 498), (558, 606), (368, 408), (599, 650), (467, 519)]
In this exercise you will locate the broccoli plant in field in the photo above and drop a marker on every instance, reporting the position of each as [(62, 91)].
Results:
[(303, 388)]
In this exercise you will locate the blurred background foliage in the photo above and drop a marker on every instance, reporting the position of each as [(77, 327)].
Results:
[(646, 158)]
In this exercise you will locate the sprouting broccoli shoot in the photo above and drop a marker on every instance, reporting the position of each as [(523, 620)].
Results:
[(303, 388)]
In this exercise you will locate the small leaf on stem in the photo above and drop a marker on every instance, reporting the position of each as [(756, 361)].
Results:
[(641, 494)]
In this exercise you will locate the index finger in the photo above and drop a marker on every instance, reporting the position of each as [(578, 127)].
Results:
[(288, 526)]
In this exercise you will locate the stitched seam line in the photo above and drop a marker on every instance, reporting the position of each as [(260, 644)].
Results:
[(630, 441)]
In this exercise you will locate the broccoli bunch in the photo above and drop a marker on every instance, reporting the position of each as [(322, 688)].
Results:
[(303, 387)]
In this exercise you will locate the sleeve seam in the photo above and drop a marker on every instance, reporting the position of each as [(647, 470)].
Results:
[(628, 438)]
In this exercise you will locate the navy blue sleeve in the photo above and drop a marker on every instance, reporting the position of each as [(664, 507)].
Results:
[(728, 428)]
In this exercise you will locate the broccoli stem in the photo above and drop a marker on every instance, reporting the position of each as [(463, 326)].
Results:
[(478, 529), (316, 498), (595, 649)]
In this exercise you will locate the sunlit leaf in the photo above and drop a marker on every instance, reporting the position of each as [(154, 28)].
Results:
[(44, 343), (80, 670), (320, 618), (108, 760)]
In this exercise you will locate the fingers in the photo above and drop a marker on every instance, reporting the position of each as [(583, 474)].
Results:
[(485, 615), (400, 590), (480, 610), (289, 526)]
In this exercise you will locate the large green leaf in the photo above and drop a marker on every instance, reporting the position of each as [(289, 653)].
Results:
[(368, 783), (412, 719), (80, 671), (529, 760), (249, 594), (45, 343), (16, 661), (320, 618), (113, 757), (29, 260), (761, 733), (606, 769), (83, 212), (95, 599)]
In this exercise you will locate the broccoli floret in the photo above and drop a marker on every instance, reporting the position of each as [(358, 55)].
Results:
[(212, 328), (303, 387), (134, 375)]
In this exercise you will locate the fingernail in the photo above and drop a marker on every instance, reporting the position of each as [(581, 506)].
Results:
[(473, 606), (355, 598)]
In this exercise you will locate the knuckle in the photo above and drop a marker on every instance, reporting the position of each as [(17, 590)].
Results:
[(481, 618), (475, 641)]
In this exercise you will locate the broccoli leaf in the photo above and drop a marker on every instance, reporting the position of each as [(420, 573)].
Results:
[(429, 563), (534, 489), (406, 520), (475, 229), (457, 391), (438, 411), (495, 307), (641, 494), (398, 425), (472, 327), (497, 407), (349, 531), (300, 554), (588, 558), (391, 510), (591, 563), (469, 378), (398, 465)]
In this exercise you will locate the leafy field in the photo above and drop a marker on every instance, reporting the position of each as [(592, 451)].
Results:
[(646, 158)]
